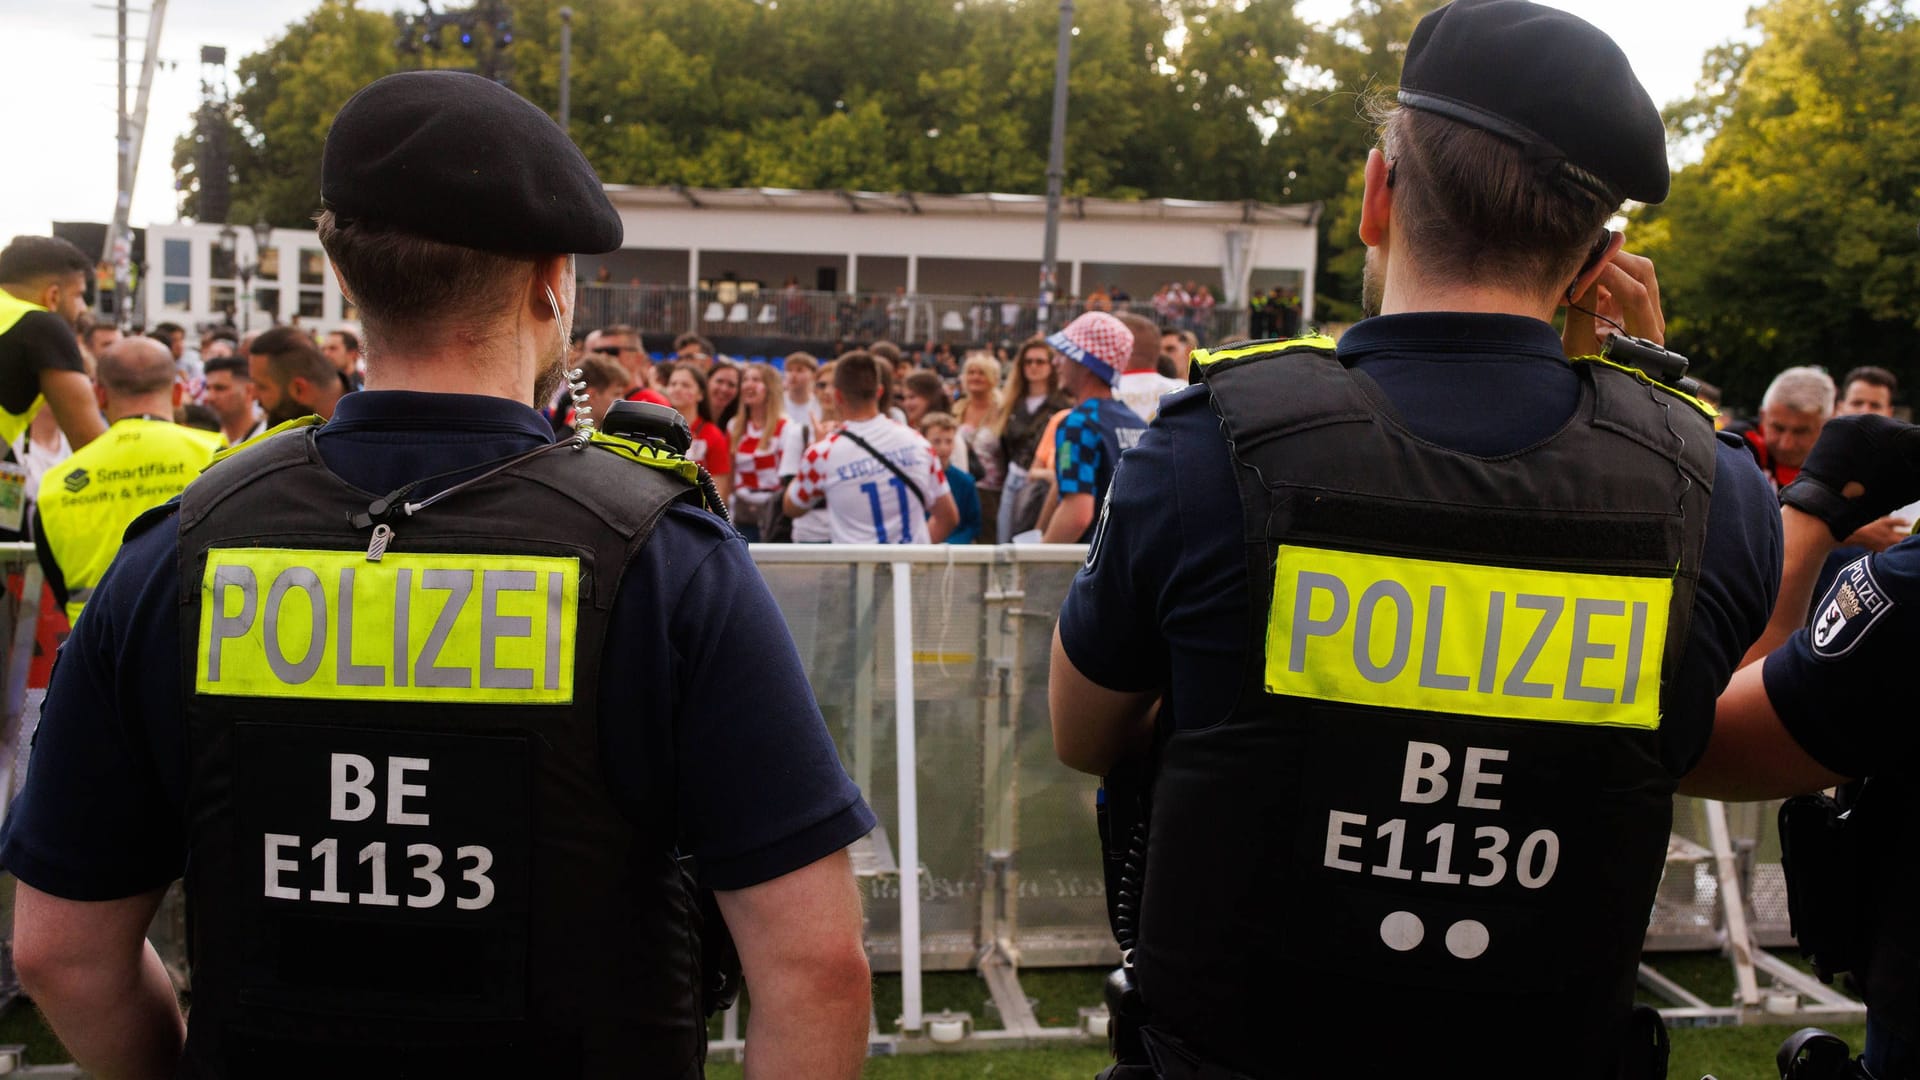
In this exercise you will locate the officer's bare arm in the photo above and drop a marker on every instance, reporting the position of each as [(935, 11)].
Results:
[(1806, 544), (1070, 521), (1094, 727), (1750, 755), (102, 987), (70, 395), (942, 519), (806, 971)]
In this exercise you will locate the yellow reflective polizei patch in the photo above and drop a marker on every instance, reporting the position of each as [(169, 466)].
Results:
[(444, 628), (1476, 640)]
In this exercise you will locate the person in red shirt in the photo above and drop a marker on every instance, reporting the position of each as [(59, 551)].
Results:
[(1795, 407), (623, 343), (1797, 404), (687, 392)]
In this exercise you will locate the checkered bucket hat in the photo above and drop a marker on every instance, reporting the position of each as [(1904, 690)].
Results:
[(1098, 342)]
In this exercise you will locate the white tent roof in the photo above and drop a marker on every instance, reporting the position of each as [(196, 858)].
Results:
[(982, 203)]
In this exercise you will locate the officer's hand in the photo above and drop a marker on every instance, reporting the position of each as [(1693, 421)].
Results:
[(1628, 293), (1862, 467)]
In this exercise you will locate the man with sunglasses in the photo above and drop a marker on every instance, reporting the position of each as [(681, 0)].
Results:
[(623, 343)]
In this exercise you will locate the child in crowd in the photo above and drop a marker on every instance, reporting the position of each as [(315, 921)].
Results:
[(940, 429)]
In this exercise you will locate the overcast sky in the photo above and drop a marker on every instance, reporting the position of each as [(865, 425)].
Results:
[(57, 77)]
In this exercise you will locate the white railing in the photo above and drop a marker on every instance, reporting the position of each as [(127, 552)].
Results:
[(727, 311)]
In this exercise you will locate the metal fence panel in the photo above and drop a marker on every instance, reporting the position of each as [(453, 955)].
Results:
[(1060, 893), (1010, 848)]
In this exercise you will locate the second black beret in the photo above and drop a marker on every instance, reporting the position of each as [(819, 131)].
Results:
[(461, 159), (1548, 81)]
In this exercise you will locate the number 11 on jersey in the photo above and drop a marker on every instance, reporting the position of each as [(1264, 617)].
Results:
[(872, 490)]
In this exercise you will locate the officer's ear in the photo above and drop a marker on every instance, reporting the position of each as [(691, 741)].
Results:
[(551, 293), (1376, 204), (100, 396), (179, 393)]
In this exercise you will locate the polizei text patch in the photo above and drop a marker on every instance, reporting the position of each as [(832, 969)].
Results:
[(1459, 638), (442, 628)]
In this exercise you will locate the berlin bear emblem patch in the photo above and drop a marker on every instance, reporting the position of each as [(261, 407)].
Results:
[(1848, 611)]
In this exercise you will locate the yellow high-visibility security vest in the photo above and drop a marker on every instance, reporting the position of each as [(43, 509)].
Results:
[(88, 500), (12, 310)]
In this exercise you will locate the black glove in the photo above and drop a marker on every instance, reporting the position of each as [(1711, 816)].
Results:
[(1862, 469)]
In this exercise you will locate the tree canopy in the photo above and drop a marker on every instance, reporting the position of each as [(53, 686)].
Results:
[(1205, 99), (1791, 240)]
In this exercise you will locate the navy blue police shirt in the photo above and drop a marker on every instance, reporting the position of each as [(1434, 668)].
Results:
[(1835, 682), (706, 716), (1164, 606)]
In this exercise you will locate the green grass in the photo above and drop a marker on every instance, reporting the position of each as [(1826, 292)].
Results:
[(1744, 1053), (1059, 1063), (1727, 1053), (23, 1025)]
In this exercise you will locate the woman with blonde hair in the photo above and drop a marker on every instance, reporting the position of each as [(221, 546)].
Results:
[(755, 434), (1031, 398), (977, 443)]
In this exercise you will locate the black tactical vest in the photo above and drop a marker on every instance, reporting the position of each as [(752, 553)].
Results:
[(405, 861), (1429, 834)]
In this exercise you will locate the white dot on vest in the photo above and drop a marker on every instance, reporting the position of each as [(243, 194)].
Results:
[(1402, 931), (1467, 939)]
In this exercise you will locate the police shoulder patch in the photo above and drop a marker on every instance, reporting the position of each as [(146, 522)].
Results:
[(1851, 607)]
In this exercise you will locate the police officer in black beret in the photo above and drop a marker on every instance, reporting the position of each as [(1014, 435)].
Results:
[(1436, 615), (433, 714)]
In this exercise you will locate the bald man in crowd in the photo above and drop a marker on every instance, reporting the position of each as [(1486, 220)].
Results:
[(144, 459)]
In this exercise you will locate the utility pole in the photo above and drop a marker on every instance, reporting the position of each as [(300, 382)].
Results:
[(566, 66), (1056, 168), (118, 250)]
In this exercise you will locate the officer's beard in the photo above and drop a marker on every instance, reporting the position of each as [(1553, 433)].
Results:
[(1373, 285)]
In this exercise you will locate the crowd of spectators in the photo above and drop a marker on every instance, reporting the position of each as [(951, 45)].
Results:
[(979, 429)]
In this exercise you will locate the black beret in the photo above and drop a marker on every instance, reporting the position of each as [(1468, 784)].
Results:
[(1548, 81), (463, 160)]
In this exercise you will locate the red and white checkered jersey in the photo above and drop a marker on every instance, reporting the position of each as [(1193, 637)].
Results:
[(756, 461), (865, 502)]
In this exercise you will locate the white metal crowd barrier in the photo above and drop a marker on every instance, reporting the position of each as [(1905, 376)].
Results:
[(929, 664), (1004, 844)]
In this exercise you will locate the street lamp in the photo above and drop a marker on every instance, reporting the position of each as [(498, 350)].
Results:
[(245, 269)]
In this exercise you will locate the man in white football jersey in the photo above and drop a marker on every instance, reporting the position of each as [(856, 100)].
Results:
[(877, 480)]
